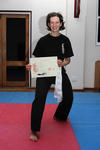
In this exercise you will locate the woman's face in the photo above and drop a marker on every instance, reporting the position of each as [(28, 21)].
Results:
[(55, 24)]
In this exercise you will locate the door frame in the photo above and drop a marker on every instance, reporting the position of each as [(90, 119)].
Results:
[(29, 13)]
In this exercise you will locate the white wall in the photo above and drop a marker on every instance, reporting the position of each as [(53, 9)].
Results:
[(80, 31), (76, 33), (92, 52)]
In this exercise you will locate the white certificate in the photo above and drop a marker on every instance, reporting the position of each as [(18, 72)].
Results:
[(44, 67)]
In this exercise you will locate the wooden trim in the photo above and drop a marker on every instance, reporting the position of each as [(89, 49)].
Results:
[(21, 12), (4, 48), (0, 51), (27, 89), (15, 15), (17, 89), (15, 11), (15, 83), (87, 90), (27, 49), (15, 63), (97, 74)]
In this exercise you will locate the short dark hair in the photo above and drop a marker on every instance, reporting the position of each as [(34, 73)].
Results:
[(53, 14)]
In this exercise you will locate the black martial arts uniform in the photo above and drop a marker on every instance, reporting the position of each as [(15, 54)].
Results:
[(52, 46)]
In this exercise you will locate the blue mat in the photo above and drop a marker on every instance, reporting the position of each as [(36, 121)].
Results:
[(84, 115), (85, 120), (23, 97)]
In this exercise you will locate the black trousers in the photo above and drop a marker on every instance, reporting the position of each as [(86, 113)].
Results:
[(42, 87)]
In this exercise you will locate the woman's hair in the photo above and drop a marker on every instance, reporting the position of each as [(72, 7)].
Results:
[(53, 14)]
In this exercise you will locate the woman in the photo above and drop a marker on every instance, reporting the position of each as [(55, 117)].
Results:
[(52, 44)]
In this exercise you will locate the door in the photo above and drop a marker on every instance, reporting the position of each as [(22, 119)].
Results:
[(14, 50)]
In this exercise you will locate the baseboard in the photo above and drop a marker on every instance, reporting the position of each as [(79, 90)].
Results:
[(29, 89), (87, 90)]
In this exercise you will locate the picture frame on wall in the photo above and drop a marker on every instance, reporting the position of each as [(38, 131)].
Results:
[(76, 8)]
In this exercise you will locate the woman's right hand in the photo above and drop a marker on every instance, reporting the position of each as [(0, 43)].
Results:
[(28, 67)]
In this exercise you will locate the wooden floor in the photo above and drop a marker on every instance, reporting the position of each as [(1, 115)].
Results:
[(22, 89)]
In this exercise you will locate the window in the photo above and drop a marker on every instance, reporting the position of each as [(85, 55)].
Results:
[(98, 23)]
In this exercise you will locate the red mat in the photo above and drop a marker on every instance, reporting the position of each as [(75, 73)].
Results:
[(15, 130)]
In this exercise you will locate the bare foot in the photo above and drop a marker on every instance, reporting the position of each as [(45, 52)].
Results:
[(34, 137)]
